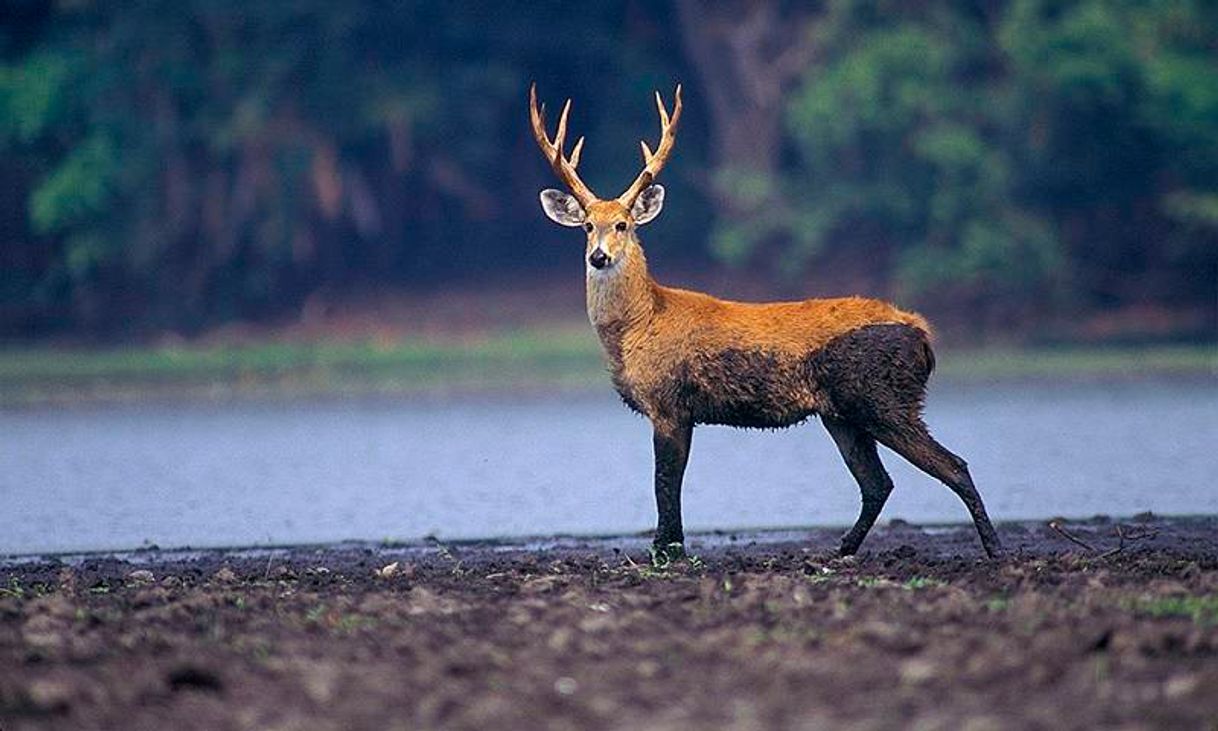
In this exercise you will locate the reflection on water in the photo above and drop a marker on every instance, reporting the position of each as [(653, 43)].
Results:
[(177, 475)]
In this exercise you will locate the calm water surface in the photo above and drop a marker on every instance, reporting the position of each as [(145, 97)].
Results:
[(242, 474)]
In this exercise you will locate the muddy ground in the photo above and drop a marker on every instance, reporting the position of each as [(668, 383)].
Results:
[(1101, 624)]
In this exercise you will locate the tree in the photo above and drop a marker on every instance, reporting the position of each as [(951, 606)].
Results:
[(747, 56), (188, 162), (1005, 158)]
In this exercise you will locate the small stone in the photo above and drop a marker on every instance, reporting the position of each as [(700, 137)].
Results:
[(50, 696), (648, 669), (225, 575), (560, 640), (320, 681), (917, 671), (566, 686), (141, 576), (388, 571), (1179, 686)]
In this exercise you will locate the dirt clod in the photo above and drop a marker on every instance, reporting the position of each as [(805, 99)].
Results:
[(190, 677)]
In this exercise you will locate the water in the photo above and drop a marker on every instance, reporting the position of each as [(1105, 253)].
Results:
[(257, 473)]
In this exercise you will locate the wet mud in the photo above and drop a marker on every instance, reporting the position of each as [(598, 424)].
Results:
[(1101, 623)]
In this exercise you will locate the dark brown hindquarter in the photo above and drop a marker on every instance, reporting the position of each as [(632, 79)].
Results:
[(875, 376)]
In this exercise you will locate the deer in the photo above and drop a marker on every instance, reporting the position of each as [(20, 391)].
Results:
[(683, 359)]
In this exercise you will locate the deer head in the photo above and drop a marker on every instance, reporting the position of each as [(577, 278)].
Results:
[(609, 224)]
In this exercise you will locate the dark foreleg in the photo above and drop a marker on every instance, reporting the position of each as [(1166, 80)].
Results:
[(859, 452), (913, 442), (671, 442)]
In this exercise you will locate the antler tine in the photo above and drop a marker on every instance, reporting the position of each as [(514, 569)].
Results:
[(653, 162), (663, 112), (563, 167), (574, 159), (561, 135)]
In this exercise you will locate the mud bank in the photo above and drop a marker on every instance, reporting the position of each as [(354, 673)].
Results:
[(1102, 623)]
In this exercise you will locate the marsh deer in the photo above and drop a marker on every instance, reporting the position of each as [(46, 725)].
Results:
[(684, 358)]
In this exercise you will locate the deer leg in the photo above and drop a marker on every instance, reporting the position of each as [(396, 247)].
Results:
[(914, 443), (858, 450), (671, 442)]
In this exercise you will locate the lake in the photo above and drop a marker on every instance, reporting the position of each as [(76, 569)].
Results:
[(260, 473)]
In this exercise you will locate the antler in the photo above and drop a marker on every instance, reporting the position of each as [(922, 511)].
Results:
[(653, 163), (564, 167)]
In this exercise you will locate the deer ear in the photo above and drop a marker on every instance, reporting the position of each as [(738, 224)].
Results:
[(648, 204), (562, 208)]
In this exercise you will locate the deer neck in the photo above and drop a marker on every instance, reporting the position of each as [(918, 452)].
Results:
[(620, 299)]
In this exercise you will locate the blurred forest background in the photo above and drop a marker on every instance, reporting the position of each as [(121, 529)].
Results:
[(1011, 167)]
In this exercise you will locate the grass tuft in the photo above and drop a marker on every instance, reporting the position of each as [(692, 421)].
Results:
[(1201, 609)]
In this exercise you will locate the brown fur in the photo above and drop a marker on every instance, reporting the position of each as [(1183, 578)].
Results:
[(685, 358), (678, 356)]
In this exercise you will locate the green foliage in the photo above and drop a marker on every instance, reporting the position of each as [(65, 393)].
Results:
[(179, 163), (1003, 154), (78, 190), (1200, 209), (922, 582), (902, 141), (184, 162), (14, 590), (32, 94), (1202, 610)]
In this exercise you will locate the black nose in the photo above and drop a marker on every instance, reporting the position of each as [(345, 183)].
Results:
[(598, 259)]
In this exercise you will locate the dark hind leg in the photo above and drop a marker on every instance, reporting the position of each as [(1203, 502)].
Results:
[(875, 377), (858, 450), (913, 442)]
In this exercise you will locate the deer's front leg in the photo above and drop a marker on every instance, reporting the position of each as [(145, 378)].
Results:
[(671, 442)]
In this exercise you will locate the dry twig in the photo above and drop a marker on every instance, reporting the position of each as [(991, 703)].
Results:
[(1128, 534), (1125, 535), (1064, 534)]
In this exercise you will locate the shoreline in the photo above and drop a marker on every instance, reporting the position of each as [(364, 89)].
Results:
[(1026, 538), (526, 362)]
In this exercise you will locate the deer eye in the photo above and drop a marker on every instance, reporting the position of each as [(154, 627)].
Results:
[(588, 227), (621, 226)]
